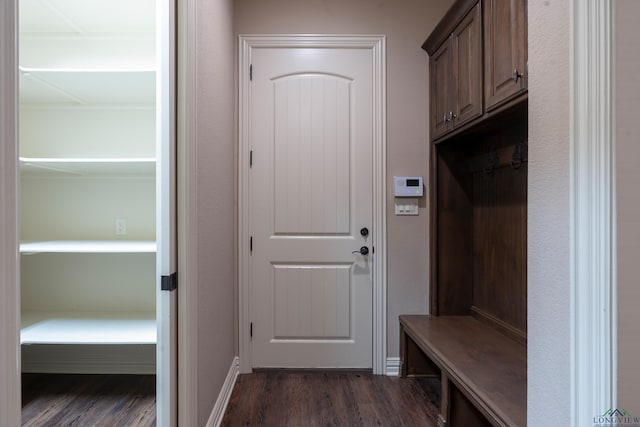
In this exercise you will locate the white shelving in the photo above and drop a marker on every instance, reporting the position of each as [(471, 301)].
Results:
[(88, 328), (88, 133), (88, 246), (131, 167), (86, 86)]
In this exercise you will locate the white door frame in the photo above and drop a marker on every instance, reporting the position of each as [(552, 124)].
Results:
[(593, 223), (9, 257), (166, 233), (187, 194), (377, 45)]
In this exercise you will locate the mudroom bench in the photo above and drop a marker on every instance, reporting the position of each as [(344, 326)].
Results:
[(482, 372)]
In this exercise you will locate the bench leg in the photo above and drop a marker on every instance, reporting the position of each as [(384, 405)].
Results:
[(443, 416), (413, 361)]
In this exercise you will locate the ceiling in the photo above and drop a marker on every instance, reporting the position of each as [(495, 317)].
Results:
[(87, 52)]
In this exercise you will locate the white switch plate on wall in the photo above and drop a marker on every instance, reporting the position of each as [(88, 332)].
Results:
[(406, 206)]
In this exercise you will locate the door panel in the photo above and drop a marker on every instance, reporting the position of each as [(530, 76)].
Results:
[(311, 125), (311, 192), (312, 301)]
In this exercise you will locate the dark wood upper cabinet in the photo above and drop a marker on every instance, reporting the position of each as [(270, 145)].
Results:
[(440, 89), (477, 64), (466, 42), (456, 76), (505, 50)]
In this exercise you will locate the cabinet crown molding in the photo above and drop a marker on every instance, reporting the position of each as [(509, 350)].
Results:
[(441, 32)]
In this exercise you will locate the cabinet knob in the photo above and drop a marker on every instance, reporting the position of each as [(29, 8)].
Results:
[(452, 116), (517, 75), (445, 119)]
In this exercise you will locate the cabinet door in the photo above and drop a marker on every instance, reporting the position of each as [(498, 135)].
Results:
[(440, 89), (467, 68), (505, 50)]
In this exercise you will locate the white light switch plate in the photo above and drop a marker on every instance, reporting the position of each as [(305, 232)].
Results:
[(406, 206)]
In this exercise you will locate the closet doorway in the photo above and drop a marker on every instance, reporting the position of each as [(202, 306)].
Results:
[(97, 190)]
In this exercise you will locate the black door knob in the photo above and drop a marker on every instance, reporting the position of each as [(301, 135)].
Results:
[(364, 231), (363, 251)]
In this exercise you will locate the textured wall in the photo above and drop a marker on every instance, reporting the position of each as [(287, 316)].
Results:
[(215, 200), (406, 23), (549, 338), (628, 202)]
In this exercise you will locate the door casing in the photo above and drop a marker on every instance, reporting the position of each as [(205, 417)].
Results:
[(9, 261), (377, 45)]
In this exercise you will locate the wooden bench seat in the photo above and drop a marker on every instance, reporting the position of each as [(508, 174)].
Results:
[(477, 365)]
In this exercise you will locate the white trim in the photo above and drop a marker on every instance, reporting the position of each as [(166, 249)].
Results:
[(393, 367), (89, 359), (187, 214), (593, 327), (9, 186), (217, 414), (377, 45), (166, 233)]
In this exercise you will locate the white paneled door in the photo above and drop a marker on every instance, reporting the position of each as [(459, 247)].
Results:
[(311, 120)]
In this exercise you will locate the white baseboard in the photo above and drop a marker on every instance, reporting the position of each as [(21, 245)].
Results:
[(225, 394), (392, 368), (89, 359)]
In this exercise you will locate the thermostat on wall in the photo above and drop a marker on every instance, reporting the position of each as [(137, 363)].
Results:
[(407, 186)]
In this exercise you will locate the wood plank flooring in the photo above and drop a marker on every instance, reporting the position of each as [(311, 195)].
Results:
[(88, 400), (309, 398)]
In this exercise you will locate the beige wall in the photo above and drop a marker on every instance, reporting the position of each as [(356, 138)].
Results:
[(548, 282), (406, 23), (215, 200), (628, 202)]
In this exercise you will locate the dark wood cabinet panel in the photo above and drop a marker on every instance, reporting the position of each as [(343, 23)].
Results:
[(479, 228), (456, 76), (466, 42), (500, 232), (454, 252), (505, 50), (440, 89)]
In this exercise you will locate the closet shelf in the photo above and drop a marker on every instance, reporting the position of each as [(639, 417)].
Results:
[(84, 87), (88, 167), (88, 328), (89, 246)]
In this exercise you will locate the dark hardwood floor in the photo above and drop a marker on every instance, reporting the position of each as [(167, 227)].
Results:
[(271, 398), (88, 400), (309, 398)]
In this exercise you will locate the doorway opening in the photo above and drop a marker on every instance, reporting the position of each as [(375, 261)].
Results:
[(91, 155)]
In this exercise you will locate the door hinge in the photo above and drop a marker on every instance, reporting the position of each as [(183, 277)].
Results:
[(251, 72), (251, 330), (251, 158), (251, 244), (169, 283)]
